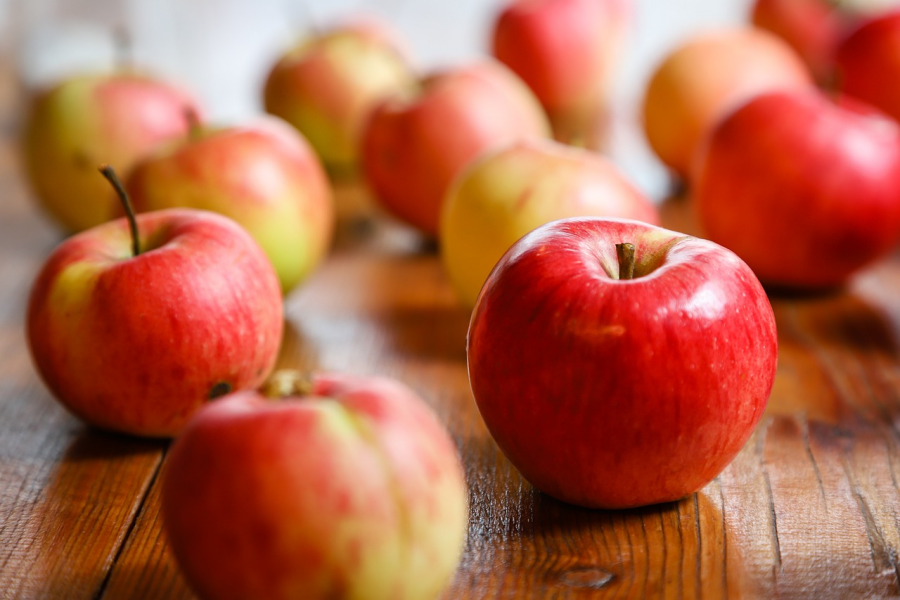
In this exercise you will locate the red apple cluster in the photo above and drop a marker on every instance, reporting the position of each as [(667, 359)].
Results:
[(616, 363), (802, 183)]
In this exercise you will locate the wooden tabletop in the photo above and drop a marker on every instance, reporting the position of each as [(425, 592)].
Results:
[(810, 507)]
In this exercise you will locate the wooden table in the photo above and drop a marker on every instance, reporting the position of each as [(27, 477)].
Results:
[(808, 509)]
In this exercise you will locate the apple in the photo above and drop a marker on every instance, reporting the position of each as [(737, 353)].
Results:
[(610, 391), (328, 84), (263, 175), (135, 324), (413, 147), (805, 191), (96, 119), (707, 77), (868, 63), (511, 190), (566, 51), (811, 27), (344, 487)]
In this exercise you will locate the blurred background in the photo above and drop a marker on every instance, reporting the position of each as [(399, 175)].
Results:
[(223, 49)]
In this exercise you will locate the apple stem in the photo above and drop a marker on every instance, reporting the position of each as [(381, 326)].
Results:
[(113, 179), (286, 383), (625, 254), (124, 58), (193, 121)]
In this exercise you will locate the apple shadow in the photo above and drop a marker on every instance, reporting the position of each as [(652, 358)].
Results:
[(427, 333)]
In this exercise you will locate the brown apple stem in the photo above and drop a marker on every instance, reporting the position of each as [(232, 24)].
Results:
[(124, 55), (113, 179), (286, 383), (625, 254), (193, 121)]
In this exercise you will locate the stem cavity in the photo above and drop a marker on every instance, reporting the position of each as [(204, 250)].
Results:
[(286, 383), (625, 254), (113, 179)]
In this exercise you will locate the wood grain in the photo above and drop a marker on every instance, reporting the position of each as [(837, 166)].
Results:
[(809, 509)]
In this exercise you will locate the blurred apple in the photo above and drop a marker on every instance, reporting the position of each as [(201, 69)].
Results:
[(811, 27), (327, 86), (707, 77), (90, 120), (414, 147), (264, 176), (805, 191), (566, 51), (347, 488), (868, 63), (508, 192)]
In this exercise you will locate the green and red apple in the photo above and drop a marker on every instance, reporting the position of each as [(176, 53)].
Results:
[(327, 86), (619, 364), (138, 342), (509, 191), (414, 147), (86, 121), (346, 487), (263, 175)]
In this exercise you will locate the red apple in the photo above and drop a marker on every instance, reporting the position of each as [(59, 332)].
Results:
[(138, 343), (868, 63), (98, 119), (566, 51), (706, 78), (263, 175), (327, 86), (413, 148), (811, 27), (611, 392), (510, 191), (350, 490), (805, 191)]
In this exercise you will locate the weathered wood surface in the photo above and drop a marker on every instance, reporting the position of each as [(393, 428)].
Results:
[(808, 509)]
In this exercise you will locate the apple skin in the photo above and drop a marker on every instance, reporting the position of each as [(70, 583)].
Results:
[(414, 147), (327, 86), (805, 191), (867, 63), (811, 27), (566, 51), (353, 491), (138, 344), (86, 121), (263, 175), (613, 394), (507, 192), (707, 77)]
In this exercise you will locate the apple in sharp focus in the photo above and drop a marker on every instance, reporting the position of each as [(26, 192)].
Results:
[(867, 63), (705, 78), (90, 120), (327, 86), (509, 191), (613, 392), (414, 147), (805, 191), (138, 343), (351, 489), (263, 175), (567, 52)]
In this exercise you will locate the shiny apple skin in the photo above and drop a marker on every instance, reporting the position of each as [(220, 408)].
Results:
[(612, 394), (138, 344), (805, 191)]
